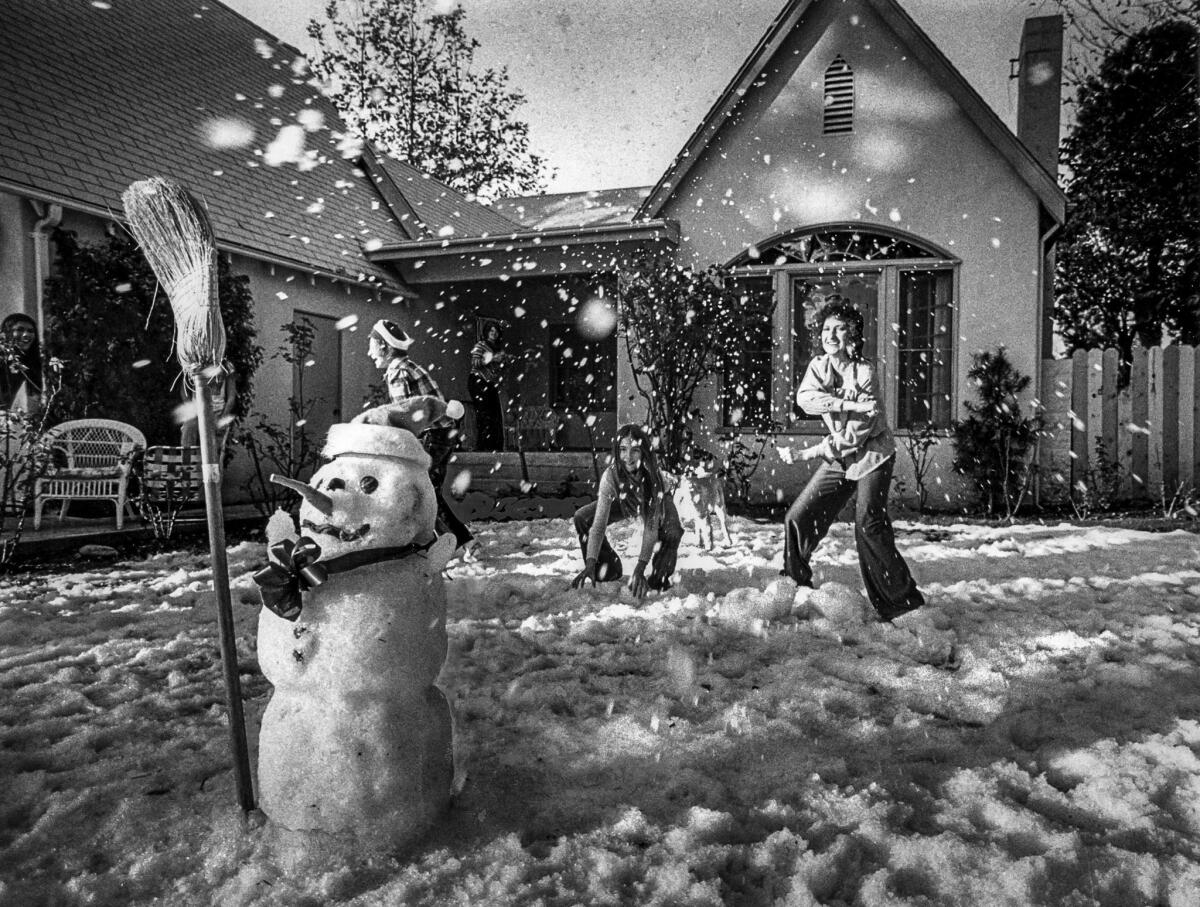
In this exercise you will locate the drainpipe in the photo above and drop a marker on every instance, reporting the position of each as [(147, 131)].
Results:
[(1044, 324), (49, 217)]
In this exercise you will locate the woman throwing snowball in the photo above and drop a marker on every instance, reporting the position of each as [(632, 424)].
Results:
[(631, 486), (858, 456)]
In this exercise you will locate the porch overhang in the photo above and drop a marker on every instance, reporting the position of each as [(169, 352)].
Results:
[(536, 253)]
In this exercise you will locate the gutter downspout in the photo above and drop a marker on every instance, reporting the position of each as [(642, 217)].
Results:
[(1044, 243), (49, 217)]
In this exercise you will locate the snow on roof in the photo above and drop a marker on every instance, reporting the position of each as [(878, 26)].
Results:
[(438, 207), (594, 207)]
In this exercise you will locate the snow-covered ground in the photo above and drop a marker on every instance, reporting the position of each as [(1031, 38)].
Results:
[(1032, 737)]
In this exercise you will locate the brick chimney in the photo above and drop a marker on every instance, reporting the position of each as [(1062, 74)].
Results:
[(1039, 88)]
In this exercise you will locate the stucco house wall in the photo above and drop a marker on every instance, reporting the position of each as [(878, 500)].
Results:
[(915, 162), (16, 255)]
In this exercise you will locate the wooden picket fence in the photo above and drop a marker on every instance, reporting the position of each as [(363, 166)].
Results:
[(1146, 436)]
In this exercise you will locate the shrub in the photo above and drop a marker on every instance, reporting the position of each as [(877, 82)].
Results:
[(679, 325), (23, 455), (286, 448), (107, 316), (919, 444), (993, 443)]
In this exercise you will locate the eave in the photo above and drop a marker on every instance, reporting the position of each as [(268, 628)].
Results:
[(360, 279), (534, 253)]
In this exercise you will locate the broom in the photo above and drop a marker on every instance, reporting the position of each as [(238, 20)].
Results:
[(177, 239)]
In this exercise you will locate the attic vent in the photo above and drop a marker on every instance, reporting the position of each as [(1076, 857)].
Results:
[(839, 97)]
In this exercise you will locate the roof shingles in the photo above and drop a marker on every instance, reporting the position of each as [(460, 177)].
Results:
[(95, 98)]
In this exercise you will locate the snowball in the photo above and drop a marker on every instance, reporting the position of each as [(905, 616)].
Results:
[(280, 526), (287, 147), (840, 604), (597, 319)]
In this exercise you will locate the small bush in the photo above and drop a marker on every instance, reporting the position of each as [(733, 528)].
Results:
[(993, 444)]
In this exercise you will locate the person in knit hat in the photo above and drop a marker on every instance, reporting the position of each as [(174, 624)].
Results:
[(388, 347)]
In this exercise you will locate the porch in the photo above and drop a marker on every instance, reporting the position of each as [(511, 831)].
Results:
[(499, 473)]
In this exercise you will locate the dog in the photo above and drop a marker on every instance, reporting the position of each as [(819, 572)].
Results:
[(699, 499)]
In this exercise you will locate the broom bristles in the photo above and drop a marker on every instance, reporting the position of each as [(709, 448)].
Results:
[(177, 238)]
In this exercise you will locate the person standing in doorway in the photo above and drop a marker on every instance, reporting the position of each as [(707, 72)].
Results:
[(388, 347), (857, 456), (20, 364), (486, 361)]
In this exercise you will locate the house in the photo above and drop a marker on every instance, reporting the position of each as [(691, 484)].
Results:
[(846, 156), (97, 95)]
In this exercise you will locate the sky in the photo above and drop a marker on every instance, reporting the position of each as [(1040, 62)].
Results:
[(615, 87)]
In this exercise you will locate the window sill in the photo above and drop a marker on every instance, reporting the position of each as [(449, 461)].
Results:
[(809, 430), (814, 428)]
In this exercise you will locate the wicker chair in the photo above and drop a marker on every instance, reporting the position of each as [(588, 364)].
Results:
[(91, 461)]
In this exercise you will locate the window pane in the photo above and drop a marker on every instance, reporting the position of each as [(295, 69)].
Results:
[(809, 295), (746, 384), (583, 373), (924, 349)]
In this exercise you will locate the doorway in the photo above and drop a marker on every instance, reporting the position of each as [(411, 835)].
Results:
[(317, 373)]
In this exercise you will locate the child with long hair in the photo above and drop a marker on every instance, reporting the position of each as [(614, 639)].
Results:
[(858, 456), (21, 364), (484, 382), (631, 486)]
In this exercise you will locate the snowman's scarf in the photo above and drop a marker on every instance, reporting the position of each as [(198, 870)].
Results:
[(294, 569)]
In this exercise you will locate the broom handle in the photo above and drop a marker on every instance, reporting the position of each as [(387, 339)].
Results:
[(210, 458)]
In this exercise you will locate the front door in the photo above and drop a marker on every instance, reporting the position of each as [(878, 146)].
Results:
[(317, 374)]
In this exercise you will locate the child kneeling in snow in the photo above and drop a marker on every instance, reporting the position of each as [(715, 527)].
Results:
[(858, 456), (631, 485)]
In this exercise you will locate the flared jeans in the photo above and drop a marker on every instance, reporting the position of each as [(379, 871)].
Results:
[(890, 586)]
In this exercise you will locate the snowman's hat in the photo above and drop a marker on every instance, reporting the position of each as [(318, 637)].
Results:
[(365, 440), (392, 430)]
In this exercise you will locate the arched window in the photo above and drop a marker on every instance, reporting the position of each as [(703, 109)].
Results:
[(904, 289), (839, 97), (833, 244)]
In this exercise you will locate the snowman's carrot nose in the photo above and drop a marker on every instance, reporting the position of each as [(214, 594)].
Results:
[(319, 500)]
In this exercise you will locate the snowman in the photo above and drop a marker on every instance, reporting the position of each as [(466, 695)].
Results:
[(357, 740)]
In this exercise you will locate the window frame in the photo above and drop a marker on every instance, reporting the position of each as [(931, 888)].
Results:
[(783, 377)]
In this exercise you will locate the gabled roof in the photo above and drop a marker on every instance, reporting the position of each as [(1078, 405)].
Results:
[(926, 52), (594, 207), (96, 95), (439, 210)]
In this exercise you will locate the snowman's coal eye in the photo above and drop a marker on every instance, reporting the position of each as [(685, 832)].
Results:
[(368, 484), (336, 484)]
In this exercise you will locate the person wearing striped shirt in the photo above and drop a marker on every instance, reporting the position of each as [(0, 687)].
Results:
[(388, 348)]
